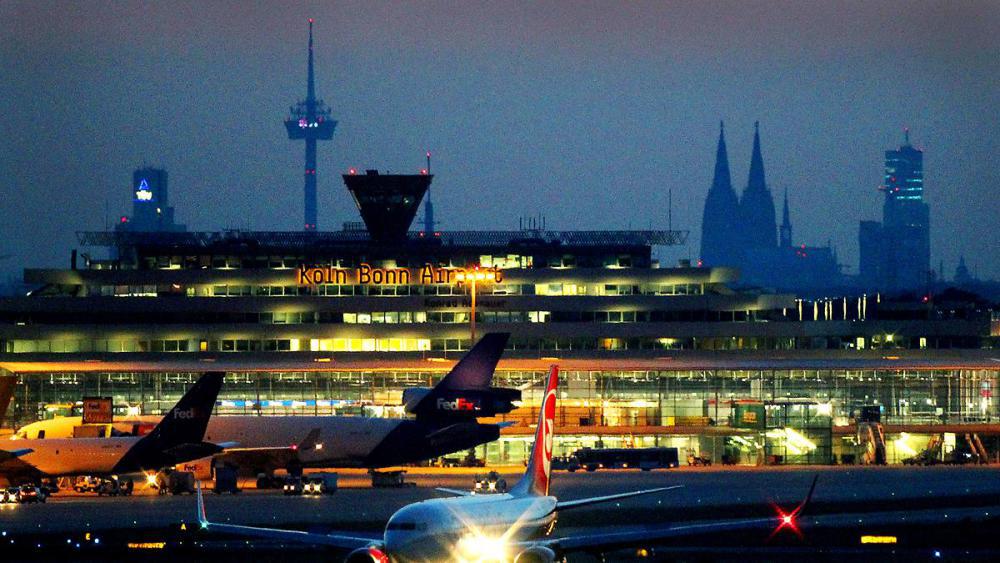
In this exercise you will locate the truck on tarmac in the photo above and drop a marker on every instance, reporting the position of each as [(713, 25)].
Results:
[(319, 484)]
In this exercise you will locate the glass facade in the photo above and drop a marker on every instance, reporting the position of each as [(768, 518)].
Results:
[(809, 415)]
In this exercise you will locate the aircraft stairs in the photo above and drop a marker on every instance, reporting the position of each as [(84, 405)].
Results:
[(871, 438)]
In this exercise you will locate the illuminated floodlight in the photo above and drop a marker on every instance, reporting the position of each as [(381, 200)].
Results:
[(902, 445), (800, 441)]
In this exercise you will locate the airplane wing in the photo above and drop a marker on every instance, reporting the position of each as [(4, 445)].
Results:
[(332, 540), (567, 504), (609, 541), (616, 540), (453, 492), (13, 454)]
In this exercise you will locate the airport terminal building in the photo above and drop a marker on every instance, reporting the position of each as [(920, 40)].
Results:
[(340, 322)]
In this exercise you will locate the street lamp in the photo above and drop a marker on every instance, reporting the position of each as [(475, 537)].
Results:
[(474, 277)]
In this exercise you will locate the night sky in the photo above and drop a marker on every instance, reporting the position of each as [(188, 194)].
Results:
[(586, 112)]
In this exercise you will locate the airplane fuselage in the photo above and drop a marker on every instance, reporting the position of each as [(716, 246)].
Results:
[(471, 527), (346, 441), (74, 456)]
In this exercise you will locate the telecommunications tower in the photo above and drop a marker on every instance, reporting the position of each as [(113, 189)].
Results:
[(310, 120)]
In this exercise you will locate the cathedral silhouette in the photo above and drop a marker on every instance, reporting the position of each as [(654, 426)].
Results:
[(741, 232)]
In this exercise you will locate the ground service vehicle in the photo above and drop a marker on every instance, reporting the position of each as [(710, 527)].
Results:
[(31, 494), (292, 486), (9, 495), (645, 459), (86, 484), (489, 484), (225, 480), (115, 486), (320, 484)]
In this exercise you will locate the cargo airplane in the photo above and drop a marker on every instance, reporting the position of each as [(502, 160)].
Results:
[(443, 421), (513, 526), (179, 437)]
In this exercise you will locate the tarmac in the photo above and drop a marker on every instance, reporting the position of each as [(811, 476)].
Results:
[(69, 519)]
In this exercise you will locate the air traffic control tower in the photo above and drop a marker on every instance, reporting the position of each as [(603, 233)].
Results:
[(387, 202), (310, 120)]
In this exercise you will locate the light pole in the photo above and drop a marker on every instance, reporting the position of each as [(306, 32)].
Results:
[(474, 276)]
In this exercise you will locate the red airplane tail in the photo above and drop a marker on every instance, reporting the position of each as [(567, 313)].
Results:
[(536, 478)]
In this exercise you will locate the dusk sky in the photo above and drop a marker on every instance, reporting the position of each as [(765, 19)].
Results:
[(585, 112)]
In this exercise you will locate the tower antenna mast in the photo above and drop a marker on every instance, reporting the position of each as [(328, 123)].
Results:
[(309, 120)]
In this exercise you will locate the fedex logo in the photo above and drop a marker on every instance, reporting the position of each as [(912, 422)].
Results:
[(459, 404), (188, 414)]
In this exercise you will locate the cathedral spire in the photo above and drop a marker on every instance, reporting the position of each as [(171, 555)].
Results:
[(756, 204), (786, 225), (756, 180), (720, 236), (722, 180)]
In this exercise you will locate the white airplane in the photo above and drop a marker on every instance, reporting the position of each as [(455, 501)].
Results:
[(444, 421), (179, 437), (513, 526)]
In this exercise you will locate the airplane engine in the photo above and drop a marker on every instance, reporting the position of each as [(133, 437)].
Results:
[(537, 554), (202, 468), (367, 555)]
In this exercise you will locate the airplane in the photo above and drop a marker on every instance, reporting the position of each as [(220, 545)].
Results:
[(512, 526), (444, 421), (179, 437)]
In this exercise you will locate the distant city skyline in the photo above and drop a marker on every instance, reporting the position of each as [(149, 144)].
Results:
[(589, 114)]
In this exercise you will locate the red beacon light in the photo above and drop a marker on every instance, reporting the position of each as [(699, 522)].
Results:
[(352, 171), (789, 520)]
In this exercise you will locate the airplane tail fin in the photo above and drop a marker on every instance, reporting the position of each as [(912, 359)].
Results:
[(475, 369), (6, 393), (180, 434), (187, 421), (536, 478)]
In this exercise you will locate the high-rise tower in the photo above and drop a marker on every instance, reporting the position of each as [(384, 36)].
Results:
[(151, 209), (309, 119), (905, 220), (757, 205), (719, 225)]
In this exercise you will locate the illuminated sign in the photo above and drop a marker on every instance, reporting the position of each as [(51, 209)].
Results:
[(751, 416), (365, 274), (878, 539), (143, 193), (147, 545), (97, 410)]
